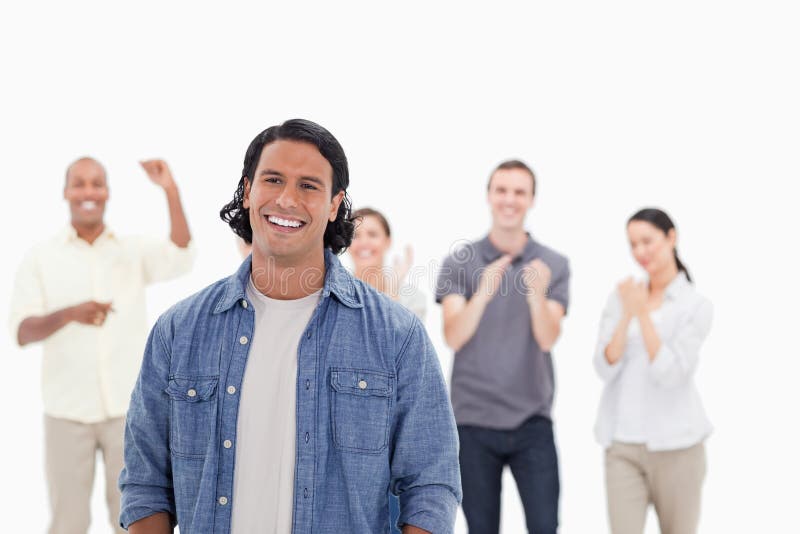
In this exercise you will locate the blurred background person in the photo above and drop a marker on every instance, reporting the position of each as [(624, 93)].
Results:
[(371, 243), (651, 420), (503, 299), (82, 293)]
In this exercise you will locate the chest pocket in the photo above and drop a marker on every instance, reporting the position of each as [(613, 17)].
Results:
[(193, 415), (360, 406)]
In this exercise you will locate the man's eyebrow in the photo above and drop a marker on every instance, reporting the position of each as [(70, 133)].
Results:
[(313, 179), (272, 172)]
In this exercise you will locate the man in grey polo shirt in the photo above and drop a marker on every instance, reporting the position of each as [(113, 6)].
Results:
[(503, 299)]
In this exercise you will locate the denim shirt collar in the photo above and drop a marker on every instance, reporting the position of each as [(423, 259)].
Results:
[(338, 282)]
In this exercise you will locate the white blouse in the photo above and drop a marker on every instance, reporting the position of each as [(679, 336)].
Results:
[(655, 403)]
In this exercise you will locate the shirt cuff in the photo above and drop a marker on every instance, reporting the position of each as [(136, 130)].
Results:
[(139, 502), (431, 508)]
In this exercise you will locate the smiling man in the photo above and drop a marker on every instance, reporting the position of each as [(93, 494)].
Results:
[(290, 396), (503, 299), (82, 294)]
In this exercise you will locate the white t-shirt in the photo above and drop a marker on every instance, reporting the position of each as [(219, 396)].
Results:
[(263, 479)]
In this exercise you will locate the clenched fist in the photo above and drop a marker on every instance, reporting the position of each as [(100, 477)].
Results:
[(492, 276), (633, 296), (158, 171), (537, 276), (90, 312)]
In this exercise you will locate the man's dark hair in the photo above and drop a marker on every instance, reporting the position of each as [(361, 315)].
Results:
[(509, 165), (339, 233)]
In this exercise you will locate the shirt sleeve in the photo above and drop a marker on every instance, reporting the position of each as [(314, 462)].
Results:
[(559, 286), (146, 479), (608, 323), (162, 259), (452, 277), (677, 358), (27, 299), (424, 461)]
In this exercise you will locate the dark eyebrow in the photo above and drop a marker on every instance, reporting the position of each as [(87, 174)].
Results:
[(272, 172)]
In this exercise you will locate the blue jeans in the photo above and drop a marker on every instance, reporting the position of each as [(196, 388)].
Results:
[(530, 452)]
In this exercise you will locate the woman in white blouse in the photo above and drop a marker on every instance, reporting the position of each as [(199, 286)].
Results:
[(651, 420)]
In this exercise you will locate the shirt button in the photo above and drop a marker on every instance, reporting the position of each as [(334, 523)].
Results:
[(231, 390), (227, 444), (243, 340), (308, 383), (362, 384), (306, 437), (244, 304), (191, 393), (223, 501), (305, 493), (308, 335)]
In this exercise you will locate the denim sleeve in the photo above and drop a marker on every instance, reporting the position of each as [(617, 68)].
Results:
[(424, 463), (146, 479)]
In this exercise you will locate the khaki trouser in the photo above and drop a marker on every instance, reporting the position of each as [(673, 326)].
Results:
[(671, 480), (70, 450)]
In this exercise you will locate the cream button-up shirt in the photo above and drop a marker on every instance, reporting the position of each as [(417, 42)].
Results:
[(655, 403), (88, 372)]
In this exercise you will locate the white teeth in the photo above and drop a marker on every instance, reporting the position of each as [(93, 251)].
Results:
[(88, 204), (284, 222), (365, 254)]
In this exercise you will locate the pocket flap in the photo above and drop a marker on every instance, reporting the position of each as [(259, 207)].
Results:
[(191, 389), (361, 382)]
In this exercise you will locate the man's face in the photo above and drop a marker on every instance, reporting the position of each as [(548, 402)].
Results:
[(86, 191), (510, 197), (290, 202)]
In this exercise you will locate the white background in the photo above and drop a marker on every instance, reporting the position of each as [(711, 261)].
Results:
[(691, 106)]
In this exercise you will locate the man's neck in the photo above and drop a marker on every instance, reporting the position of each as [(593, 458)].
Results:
[(89, 233), (288, 279), (508, 241)]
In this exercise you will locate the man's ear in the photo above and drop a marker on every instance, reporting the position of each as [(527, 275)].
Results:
[(335, 202), (246, 197)]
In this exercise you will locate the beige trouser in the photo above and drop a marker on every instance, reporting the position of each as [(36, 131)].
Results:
[(671, 480), (70, 450)]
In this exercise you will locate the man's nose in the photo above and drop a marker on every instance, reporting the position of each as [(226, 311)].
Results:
[(288, 198)]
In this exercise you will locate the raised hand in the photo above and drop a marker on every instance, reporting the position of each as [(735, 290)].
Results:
[(158, 171), (401, 265), (492, 276), (633, 296), (537, 276)]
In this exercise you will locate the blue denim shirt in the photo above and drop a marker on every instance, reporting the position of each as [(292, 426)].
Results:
[(372, 414)]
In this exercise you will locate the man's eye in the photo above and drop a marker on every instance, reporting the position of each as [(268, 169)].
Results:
[(309, 186), (272, 180)]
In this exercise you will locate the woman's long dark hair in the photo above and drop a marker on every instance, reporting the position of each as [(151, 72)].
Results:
[(339, 233), (662, 221)]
